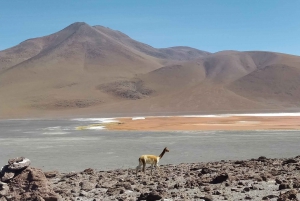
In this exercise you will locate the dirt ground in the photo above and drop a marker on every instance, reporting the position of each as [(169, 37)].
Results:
[(180, 123)]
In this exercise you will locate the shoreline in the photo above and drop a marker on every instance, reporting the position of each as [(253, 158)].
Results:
[(205, 122), (218, 122)]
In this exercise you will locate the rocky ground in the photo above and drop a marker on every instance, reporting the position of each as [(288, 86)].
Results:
[(254, 179)]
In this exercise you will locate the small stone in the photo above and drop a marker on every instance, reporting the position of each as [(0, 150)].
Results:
[(268, 197), (89, 171), (246, 189), (284, 186), (288, 161), (206, 188), (51, 174), (220, 178), (207, 198), (216, 193), (83, 193), (278, 181)]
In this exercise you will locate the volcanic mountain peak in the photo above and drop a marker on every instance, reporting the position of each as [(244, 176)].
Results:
[(74, 26), (91, 39)]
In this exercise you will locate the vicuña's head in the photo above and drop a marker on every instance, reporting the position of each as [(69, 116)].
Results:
[(166, 149)]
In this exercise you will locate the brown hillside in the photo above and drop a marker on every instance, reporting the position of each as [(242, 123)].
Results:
[(276, 85), (172, 53), (85, 70)]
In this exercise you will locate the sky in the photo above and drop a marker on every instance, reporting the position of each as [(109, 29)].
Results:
[(210, 25)]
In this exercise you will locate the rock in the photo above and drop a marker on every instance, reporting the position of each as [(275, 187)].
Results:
[(262, 158), (253, 187), (89, 171), (278, 181), (127, 186), (288, 161), (177, 186), (234, 189), (30, 183), (3, 198), (83, 193), (239, 162), (296, 184), (289, 195), (152, 196), (269, 197), (87, 186), (284, 186), (6, 174), (18, 163), (205, 171), (220, 178), (206, 188), (71, 174), (246, 189), (207, 198), (216, 193), (115, 191), (51, 174), (3, 189)]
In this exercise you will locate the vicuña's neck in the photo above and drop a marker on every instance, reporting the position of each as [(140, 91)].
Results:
[(162, 153)]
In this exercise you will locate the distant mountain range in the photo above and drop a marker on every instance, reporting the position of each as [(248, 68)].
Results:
[(94, 70)]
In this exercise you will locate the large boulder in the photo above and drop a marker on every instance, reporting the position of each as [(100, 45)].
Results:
[(31, 183), (18, 163)]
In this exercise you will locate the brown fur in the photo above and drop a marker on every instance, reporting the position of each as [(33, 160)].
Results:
[(150, 159)]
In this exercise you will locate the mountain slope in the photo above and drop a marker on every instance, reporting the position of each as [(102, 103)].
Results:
[(64, 69), (224, 81), (85, 69), (179, 53)]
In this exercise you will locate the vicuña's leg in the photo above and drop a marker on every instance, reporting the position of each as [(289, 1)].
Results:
[(157, 167), (144, 165), (144, 168), (138, 167), (151, 168)]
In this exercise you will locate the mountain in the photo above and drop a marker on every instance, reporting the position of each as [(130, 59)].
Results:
[(85, 69)]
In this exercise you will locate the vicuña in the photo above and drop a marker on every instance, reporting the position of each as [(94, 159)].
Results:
[(150, 159)]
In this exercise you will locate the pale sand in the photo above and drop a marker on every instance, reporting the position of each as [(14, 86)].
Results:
[(188, 123)]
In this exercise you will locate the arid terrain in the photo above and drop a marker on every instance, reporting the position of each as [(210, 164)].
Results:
[(92, 70), (48, 83), (254, 179)]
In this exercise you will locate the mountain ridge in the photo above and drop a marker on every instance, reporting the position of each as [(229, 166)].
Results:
[(81, 69)]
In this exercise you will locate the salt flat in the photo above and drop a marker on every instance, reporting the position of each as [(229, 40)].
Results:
[(57, 145)]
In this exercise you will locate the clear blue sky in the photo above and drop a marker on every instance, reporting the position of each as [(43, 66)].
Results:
[(211, 25)]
